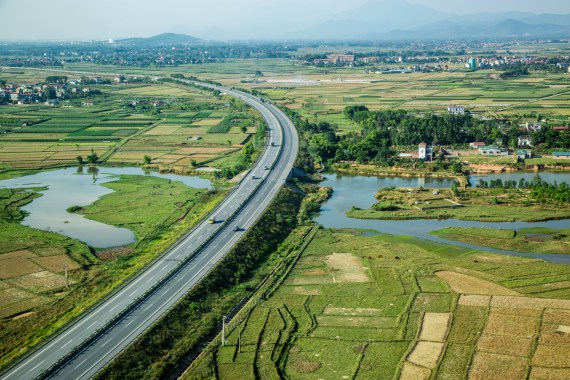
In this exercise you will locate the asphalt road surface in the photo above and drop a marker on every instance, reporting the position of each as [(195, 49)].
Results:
[(89, 344)]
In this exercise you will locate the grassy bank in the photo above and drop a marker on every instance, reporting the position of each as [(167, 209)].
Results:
[(484, 205), (532, 240), (34, 295), (381, 307)]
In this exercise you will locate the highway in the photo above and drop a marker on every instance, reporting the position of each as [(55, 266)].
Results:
[(89, 344)]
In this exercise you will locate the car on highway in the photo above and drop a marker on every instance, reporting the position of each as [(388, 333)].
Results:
[(212, 220), (236, 228), (266, 167)]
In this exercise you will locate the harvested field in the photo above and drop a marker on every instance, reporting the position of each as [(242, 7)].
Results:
[(56, 263), (435, 326), (202, 150), (329, 310), (49, 251), (24, 253), (529, 303), (306, 292), (487, 366), (540, 373), (474, 300), (554, 334), (346, 268), (24, 315), (518, 312), (556, 316), (207, 122), (39, 281), (413, 372), (310, 280), (505, 345), (552, 356), (17, 266), (349, 321), (511, 325), (426, 354), (465, 284)]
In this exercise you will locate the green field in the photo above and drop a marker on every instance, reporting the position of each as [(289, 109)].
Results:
[(381, 307), (485, 205), (533, 240)]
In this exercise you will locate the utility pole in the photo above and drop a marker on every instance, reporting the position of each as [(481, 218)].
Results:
[(66, 279), (223, 330)]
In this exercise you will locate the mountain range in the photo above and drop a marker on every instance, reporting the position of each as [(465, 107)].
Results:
[(377, 20)]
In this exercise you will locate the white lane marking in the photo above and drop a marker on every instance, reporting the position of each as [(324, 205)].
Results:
[(67, 343), (107, 342), (80, 364), (91, 325), (114, 307), (36, 366)]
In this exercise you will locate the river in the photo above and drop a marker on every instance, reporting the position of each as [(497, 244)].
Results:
[(359, 191)]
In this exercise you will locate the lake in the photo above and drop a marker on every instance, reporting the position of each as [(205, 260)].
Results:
[(359, 191), (82, 186)]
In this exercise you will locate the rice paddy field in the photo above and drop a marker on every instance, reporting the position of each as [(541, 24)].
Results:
[(381, 307), (192, 126)]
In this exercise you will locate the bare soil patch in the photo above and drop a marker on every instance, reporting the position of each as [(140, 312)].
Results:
[(529, 303), (113, 253), (310, 280), (506, 345), (474, 300), (465, 284), (413, 372), (23, 315), (488, 366), (540, 373), (350, 321), (315, 272), (552, 356), (15, 254), (435, 326), (346, 268), (426, 354)]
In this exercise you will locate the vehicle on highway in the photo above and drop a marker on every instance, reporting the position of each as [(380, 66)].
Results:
[(254, 176), (266, 167), (236, 229), (212, 220), (272, 143)]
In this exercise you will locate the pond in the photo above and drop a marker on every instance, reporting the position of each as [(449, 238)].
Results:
[(81, 186), (549, 177), (359, 191)]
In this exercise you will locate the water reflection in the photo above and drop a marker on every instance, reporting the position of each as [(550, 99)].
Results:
[(359, 191), (74, 187)]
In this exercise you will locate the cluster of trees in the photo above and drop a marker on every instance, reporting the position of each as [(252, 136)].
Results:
[(541, 191)]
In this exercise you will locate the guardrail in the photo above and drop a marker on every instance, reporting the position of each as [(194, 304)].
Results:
[(75, 351)]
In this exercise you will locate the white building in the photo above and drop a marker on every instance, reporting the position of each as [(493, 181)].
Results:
[(456, 110)]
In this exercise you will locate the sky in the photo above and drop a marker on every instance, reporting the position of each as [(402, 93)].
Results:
[(103, 19)]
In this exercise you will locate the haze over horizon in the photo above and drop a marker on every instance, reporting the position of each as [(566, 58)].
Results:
[(223, 19)]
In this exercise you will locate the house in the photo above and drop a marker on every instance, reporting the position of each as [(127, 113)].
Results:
[(533, 126), (456, 110), (52, 102), (561, 155), (88, 103), (336, 58), (560, 128), (492, 150), (425, 152), (524, 141), (524, 154), (477, 144)]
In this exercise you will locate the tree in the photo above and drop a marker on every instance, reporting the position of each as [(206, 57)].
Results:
[(79, 160), (50, 93), (243, 129), (258, 73), (93, 157), (147, 160), (193, 163)]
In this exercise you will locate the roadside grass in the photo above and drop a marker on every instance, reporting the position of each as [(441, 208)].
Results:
[(367, 329)]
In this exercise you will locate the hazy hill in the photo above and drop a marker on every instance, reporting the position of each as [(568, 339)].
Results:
[(163, 39)]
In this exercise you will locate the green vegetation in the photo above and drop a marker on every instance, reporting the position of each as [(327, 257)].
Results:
[(533, 240), (479, 204), (196, 316), (34, 300), (361, 306)]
